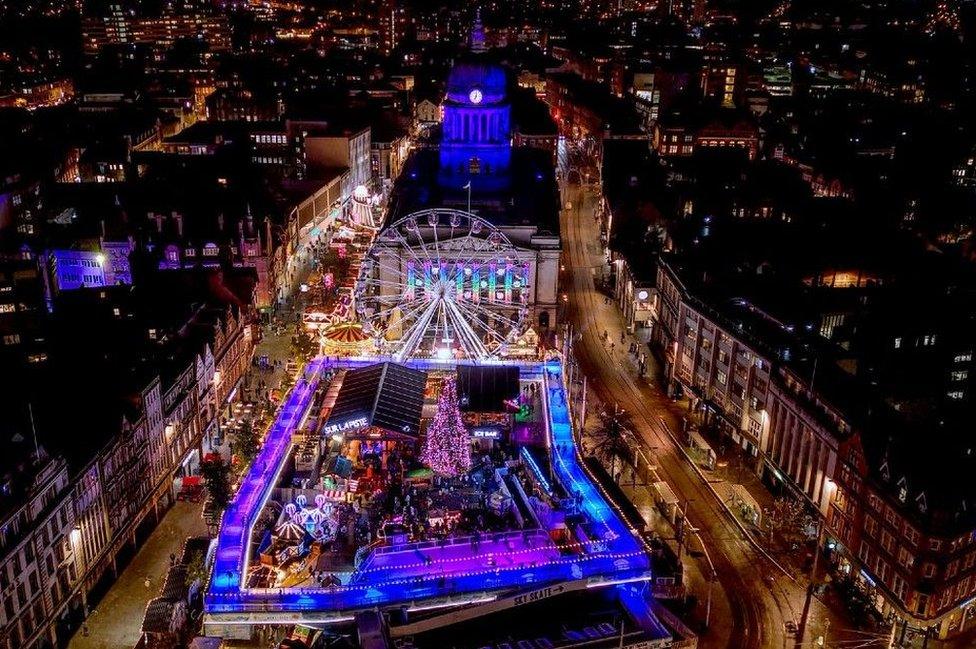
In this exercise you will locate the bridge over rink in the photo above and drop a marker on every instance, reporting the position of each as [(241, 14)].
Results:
[(601, 548)]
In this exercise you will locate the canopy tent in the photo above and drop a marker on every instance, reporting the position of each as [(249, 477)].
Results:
[(290, 531), (344, 337)]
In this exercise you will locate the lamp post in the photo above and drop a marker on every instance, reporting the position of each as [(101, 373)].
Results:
[(813, 574)]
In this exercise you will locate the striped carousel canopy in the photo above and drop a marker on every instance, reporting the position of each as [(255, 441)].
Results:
[(290, 531), (345, 333)]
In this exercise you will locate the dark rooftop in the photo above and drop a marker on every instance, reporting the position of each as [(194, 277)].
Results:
[(487, 388), (387, 395), (530, 199)]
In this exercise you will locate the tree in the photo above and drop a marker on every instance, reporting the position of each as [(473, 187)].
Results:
[(246, 443), (216, 473), (196, 568), (786, 516), (447, 448), (610, 440)]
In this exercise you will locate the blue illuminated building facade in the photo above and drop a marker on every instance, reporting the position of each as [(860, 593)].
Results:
[(476, 145)]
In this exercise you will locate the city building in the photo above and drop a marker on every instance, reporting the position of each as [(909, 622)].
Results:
[(475, 166), (76, 508)]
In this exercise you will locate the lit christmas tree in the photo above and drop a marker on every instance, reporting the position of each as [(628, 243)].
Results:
[(447, 449)]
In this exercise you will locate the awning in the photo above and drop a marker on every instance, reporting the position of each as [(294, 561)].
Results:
[(665, 493), (345, 335)]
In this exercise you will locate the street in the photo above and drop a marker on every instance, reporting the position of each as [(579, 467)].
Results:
[(755, 597), (116, 621)]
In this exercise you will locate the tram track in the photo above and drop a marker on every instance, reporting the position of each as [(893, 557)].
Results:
[(758, 604)]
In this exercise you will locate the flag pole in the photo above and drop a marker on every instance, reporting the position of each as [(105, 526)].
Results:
[(37, 449)]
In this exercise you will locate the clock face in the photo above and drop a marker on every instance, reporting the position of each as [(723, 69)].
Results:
[(475, 96)]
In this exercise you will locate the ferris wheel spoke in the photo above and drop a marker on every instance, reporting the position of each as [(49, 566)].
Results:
[(417, 330), (405, 307), (462, 263), (411, 250), (470, 340), (437, 247), (497, 317), (385, 298), (399, 272), (398, 289)]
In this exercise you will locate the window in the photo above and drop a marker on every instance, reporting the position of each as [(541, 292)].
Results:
[(963, 358), (952, 569), (956, 395), (864, 552), (890, 515), (928, 570), (911, 535), (928, 340), (905, 558), (898, 587), (887, 541), (871, 525), (959, 375), (897, 343)]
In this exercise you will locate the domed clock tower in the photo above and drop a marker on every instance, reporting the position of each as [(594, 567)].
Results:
[(476, 144)]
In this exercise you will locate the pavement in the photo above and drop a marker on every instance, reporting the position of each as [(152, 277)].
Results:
[(116, 623), (755, 598), (117, 620), (762, 578)]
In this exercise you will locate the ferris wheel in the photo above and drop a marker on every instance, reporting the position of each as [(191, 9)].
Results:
[(442, 283)]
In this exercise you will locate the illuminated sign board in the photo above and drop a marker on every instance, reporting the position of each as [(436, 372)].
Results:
[(359, 422), (483, 432)]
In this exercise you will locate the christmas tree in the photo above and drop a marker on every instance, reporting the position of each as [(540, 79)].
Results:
[(447, 449)]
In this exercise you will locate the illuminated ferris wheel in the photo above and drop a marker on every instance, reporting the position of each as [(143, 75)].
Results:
[(442, 283)]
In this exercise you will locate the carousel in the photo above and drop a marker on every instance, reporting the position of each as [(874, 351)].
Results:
[(343, 339)]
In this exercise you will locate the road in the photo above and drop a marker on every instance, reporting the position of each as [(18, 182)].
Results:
[(116, 622), (757, 597)]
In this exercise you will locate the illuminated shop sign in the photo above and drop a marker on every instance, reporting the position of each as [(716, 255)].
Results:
[(486, 433), (359, 422)]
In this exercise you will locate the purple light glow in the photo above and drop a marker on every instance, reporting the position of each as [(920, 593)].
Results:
[(393, 574)]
